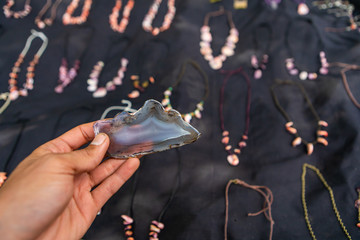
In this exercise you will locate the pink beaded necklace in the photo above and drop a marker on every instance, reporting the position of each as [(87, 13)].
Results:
[(29, 84), (290, 62), (66, 75), (20, 14), (232, 157), (113, 18), (206, 38), (153, 10)]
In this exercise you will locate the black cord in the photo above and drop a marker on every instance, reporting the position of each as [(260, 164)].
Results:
[(200, 70)]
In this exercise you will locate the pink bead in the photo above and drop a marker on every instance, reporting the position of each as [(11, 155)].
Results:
[(134, 94), (233, 160), (59, 89), (257, 74), (254, 61), (294, 71), (100, 92), (324, 71)]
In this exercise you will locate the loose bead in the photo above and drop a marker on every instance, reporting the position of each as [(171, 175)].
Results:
[(310, 148)]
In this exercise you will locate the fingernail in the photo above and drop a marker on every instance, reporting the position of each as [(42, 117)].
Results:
[(99, 139)]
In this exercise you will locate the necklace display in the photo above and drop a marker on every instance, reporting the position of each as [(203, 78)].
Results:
[(47, 21), (19, 14), (233, 153), (345, 68), (260, 66), (321, 134), (66, 75), (113, 18), (264, 191), (15, 92), (153, 10), (69, 19), (199, 106), (304, 75), (332, 198), (99, 92), (206, 38), (156, 225)]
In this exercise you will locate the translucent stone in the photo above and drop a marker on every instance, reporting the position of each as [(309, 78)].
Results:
[(149, 130)]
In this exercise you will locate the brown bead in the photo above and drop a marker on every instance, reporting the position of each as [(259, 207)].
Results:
[(128, 233)]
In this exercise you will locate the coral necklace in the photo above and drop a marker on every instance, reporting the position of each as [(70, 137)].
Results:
[(199, 106), (113, 18), (232, 157), (264, 191), (205, 44), (67, 17), (290, 62), (149, 17), (20, 14), (320, 133), (29, 84)]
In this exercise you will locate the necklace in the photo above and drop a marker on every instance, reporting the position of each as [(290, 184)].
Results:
[(260, 66), (304, 75), (341, 9), (264, 191), (99, 92), (113, 18), (47, 21), (156, 225), (69, 19), (29, 84), (320, 133), (205, 44), (347, 67), (328, 188), (20, 14), (232, 157), (66, 75), (199, 106), (153, 10)]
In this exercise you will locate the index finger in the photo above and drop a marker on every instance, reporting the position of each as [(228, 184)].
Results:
[(71, 140)]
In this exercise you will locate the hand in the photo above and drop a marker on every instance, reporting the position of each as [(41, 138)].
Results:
[(51, 195)]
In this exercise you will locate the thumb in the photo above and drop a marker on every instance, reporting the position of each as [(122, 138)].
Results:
[(87, 159)]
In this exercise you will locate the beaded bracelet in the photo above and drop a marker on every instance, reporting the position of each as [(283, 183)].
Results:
[(199, 106), (321, 134)]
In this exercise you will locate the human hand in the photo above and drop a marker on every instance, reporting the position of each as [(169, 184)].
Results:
[(51, 195)]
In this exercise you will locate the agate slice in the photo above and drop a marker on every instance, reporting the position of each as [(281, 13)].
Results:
[(149, 130)]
